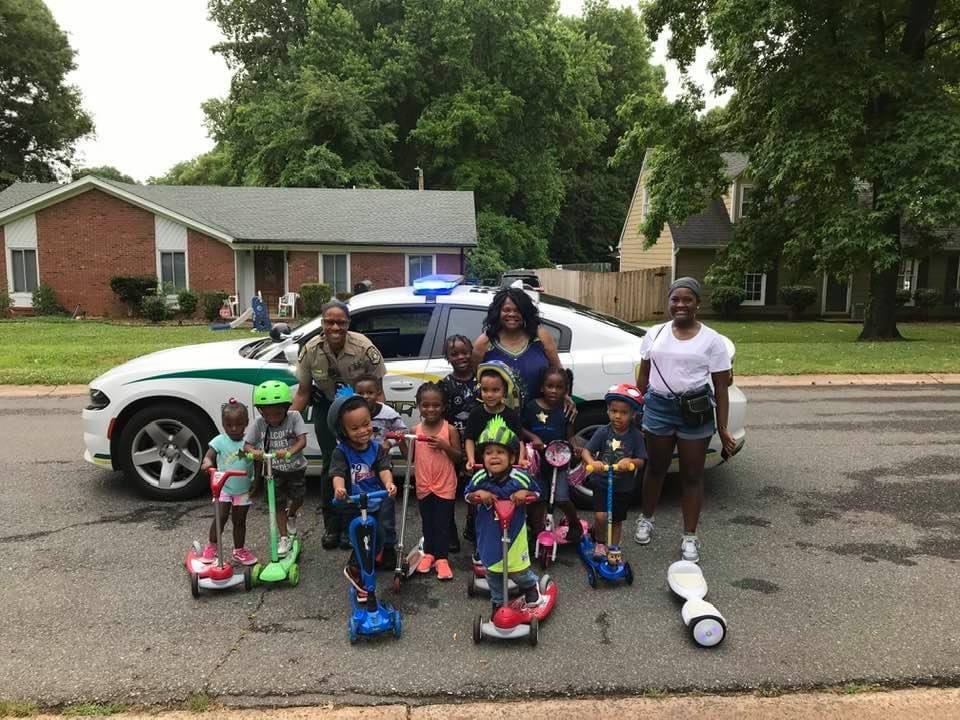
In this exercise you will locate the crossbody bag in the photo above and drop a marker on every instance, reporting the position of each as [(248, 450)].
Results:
[(696, 407)]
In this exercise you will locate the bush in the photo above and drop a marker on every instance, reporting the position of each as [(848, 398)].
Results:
[(154, 308), (5, 303), (927, 297), (187, 300), (45, 301), (210, 304), (903, 297), (314, 296), (726, 300), (132, 289), (344, 296), (798, 298)]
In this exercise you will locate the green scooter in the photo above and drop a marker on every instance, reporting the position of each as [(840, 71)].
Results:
[(278, 569)]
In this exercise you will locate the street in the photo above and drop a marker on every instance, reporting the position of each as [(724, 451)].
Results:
[(830, 544)]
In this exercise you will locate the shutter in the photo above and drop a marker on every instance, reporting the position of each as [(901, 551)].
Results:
[(922, 274), (771, 296), (953, 266)]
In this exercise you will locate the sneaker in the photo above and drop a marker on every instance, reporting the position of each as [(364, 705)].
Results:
[(690, 548), (291, 524), (444, 571), (209, 553), (644, 530), (244, 556), (599, 551), (426, 564), (531, 597), (283, 547), (574, 533), (330, 540), (388, 557), (352, 574)]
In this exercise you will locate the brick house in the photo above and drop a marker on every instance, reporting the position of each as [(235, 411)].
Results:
[(691, 248), (241, 240)]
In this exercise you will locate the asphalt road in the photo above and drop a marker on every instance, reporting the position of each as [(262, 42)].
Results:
[(830, 544)]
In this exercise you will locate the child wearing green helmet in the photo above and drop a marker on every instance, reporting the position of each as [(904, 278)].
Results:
[(280, 430)]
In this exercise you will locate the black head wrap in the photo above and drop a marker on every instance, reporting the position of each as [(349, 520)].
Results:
[(685, 282)]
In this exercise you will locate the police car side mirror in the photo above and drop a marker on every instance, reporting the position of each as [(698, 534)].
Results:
[(292, 353)]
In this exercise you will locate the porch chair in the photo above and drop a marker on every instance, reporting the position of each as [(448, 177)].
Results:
[(288, 305)]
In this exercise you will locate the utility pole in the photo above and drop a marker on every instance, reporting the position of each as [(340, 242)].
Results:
[(419, 178)]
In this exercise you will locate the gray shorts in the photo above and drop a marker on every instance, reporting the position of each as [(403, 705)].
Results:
[(290, 487)]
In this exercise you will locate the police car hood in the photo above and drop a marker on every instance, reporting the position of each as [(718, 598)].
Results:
[(203, 356)]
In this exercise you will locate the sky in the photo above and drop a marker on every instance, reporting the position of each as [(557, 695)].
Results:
[(144, 67)]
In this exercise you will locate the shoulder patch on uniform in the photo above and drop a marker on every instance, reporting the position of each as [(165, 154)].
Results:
[(374, 356)]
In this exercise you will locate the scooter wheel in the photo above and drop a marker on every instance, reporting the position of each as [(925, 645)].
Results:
[(354, 635), (194, 585), (545, 582), (477, 632), (628, 573), (247, 578), (544, 558), (471, 588), (708, 632), (293, 575), (397, 624), (396, 583), (534, 637), (255, 574), (592, 578)]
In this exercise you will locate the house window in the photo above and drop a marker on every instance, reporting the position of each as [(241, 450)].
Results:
[(24, 267), (747, 200), (907, 277), (755, 287), (646, 202), (173, 270), (335, 273), (418, 266)]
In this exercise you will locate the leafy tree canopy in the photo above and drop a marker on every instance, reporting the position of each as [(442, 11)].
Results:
[(850, 113), (105, 171), (40, 115)]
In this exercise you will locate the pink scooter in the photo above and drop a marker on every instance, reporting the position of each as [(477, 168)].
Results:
[(557, 454), (222, 575)]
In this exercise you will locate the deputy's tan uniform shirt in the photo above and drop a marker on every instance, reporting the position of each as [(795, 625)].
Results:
[(318, 364)]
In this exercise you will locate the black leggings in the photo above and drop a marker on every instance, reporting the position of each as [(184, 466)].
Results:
[(436, 514)]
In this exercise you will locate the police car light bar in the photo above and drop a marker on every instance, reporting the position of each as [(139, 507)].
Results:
[(433, 285)]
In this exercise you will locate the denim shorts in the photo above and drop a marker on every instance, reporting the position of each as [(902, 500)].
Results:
[(661, 416)]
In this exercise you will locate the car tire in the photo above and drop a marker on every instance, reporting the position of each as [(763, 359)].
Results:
[(141, 436), (586, 423)]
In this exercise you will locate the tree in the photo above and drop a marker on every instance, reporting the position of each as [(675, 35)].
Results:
[(40, 115), (210, 168), (850, 113), (105, 171)]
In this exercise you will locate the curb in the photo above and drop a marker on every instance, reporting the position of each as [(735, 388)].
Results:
[(42, 391)]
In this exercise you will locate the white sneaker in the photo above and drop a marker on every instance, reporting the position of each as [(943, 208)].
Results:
[(291, 524), (283, 547), (644, 530), (690, 548)]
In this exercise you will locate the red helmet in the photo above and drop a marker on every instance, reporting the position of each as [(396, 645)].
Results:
[(626, 392)]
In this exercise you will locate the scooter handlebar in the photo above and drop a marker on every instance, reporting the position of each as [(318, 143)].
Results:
[(218, 479), (355, 499), (604, 467), (398, 436)]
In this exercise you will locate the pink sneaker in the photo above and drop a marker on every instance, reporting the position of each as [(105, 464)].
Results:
[(426, 564), (444, 571), (244, 556), (599, 551), (209, 553)]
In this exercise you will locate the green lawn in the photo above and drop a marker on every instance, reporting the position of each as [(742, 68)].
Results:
[(60, 352), (784, 348)]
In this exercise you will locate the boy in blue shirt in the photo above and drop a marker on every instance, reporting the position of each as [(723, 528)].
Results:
[(619, 443), (498, 447)]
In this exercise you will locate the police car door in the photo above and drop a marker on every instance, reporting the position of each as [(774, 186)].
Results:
[(404, 334)]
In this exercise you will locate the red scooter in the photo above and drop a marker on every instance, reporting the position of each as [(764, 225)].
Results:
[(222, 575), (515, 618)]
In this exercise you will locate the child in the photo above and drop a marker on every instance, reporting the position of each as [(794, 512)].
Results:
[(435, 459), (545, 420), (282, 431), (495, 383), (385, 420), (360, 461), (498, 446), (620, 443), (463, 395), (226, 452)]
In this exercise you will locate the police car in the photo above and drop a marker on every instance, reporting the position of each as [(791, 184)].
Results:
[(151, 417)]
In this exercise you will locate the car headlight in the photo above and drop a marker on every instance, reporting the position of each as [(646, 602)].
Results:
[(98, 400)]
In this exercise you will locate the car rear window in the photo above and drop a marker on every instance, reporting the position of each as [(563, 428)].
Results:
[(594, 315)]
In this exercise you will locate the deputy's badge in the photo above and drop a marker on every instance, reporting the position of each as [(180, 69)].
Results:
[(374, 356)]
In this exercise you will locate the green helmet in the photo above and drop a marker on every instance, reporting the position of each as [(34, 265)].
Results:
[(272, 392), (498, 433)]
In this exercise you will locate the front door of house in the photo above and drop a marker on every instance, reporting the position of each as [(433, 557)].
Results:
[(269, 276), (836, 296)]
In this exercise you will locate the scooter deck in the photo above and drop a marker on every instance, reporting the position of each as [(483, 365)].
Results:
[(686, 579), (601, 568)]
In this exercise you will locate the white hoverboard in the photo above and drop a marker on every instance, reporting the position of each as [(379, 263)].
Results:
[(707, 626)]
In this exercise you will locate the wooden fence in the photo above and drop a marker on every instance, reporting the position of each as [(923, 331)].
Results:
[(632, 295)]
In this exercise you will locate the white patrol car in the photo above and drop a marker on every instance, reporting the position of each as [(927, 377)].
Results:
[(151, 417)]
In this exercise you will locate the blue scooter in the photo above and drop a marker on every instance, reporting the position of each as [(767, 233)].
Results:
[(611, 567), (368, 617)]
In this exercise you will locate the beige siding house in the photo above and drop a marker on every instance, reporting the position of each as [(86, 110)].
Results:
[(691, 248)]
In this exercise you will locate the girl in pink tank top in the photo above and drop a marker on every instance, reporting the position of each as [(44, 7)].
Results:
[(435, 455)]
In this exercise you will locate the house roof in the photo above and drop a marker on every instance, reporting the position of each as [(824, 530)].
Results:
[(289, 215), (708, 229), (734, 163)]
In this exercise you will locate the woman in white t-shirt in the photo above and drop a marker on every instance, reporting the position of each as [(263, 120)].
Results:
[(681, 357)]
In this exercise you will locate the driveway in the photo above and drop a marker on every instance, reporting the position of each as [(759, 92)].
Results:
[(831, 546)]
